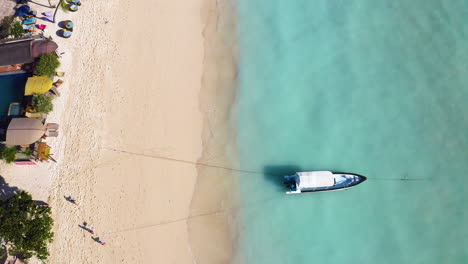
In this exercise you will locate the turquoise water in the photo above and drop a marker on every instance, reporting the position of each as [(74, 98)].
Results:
[(11, 90), (378, 88)]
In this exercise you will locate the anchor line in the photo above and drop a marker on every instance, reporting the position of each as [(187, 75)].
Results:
[(212, 166)]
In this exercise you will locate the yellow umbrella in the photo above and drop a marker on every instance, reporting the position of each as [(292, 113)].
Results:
[(38, 85)]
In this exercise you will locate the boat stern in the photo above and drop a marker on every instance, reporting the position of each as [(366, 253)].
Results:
[(291, 183)]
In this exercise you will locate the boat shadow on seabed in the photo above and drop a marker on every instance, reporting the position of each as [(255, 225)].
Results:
[(275, 174)]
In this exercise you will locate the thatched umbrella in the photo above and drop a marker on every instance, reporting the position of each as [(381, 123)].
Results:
[(24, 131)]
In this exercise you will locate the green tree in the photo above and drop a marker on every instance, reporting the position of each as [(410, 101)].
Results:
[(64, 5), (25, 226), (9, 154), (16, 29), (48, 64), (28, 152), (5, 25), (43, 103)]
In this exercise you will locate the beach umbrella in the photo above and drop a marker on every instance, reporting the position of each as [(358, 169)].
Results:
[(24, 131), (37, 85)]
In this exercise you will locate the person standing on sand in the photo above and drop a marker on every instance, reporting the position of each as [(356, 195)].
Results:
[(97, 239), (71, 200)]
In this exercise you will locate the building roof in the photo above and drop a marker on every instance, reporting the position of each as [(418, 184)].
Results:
[(24, 131), (18, 52), (41, 47)]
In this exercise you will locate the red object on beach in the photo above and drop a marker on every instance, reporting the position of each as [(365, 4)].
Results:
[(41, 26), (25, 163), (103, 243)]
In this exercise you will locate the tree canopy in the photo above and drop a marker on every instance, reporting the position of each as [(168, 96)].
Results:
[(25, 226), (8, 154), (48, 64), (43, 103)]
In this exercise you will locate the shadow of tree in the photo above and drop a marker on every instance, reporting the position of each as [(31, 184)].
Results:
[(275, 174), (6, 191)]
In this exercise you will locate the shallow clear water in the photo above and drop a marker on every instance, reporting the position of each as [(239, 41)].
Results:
[(377, 88), (11, 90)]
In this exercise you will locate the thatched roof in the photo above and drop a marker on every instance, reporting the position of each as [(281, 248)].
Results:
[(24, 131)]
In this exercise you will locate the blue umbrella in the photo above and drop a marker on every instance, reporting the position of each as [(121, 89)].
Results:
[(23, 10)]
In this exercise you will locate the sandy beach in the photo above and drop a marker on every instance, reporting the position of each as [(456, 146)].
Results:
[(136, 116)]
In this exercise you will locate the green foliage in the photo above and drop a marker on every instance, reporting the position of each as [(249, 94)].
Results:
[(64, 5), (25, 226), (9, 154), (43, 103), (16, 29), (5, 25), (28, 152), (48, 64)]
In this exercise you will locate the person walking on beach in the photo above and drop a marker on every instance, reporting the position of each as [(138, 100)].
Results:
[(99, 241), (71, 200), (89, 230)]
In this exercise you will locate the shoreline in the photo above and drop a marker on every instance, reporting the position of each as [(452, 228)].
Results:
[(215, 197)]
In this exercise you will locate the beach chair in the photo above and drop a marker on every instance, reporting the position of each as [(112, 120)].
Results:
[(52, 126), (33, 115), (49, 133), (30, 21), (58, 83)]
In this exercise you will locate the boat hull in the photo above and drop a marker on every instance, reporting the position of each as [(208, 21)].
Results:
[(352, 178)]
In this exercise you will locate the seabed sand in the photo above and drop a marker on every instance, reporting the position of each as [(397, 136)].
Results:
[(136, 103)]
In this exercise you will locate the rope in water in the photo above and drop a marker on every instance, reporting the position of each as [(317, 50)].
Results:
[(207, 165), (237, 170)]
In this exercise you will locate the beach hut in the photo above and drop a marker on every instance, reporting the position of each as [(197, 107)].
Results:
[(37, 85), (24, 51), (24, 131), (17, 52)]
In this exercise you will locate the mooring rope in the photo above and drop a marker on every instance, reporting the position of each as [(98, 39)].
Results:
[(166, 222)]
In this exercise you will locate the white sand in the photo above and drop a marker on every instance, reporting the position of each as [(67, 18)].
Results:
[(132, 98)]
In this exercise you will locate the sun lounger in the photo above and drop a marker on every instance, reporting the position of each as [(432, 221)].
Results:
[(33, 115), (53, 89), (52, 126), (58, 83), (30, 21), (51, 133)]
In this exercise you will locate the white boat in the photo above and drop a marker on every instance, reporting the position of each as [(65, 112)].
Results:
[(320, 181)]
